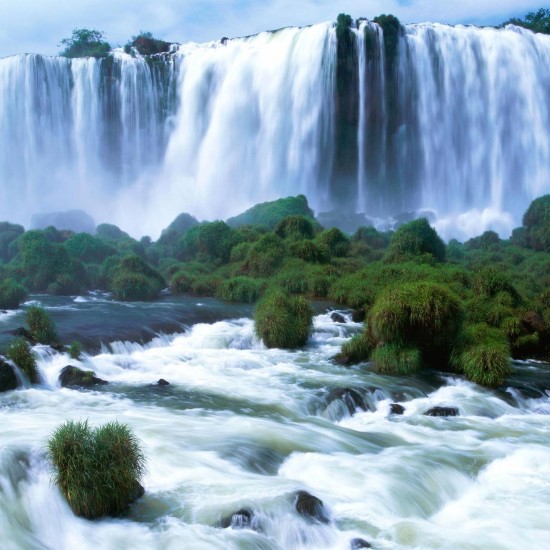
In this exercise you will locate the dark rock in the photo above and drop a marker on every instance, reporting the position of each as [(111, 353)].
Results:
[(355, 544), (8, 379), (224, 40), (351, 398), (137, 492), (163, 382), (242, 519), (147, 45), (58, 347), (70, 377), (396, 408), (532, 322), (358, 315), (310, 507), (442, 411), (74, 220), (337, 317), (23, 332)]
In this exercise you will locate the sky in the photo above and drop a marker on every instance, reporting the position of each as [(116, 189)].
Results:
[(37, 26)]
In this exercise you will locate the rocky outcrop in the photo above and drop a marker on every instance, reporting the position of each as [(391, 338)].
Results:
[(73, 377), (442, 411)]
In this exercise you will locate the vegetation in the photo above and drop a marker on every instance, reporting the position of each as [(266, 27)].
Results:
[(98, 470), (536, 21), (41, 327), (416, 239), (85, 43), (11, 294), (21, 354), (146, 44), (283, 321)]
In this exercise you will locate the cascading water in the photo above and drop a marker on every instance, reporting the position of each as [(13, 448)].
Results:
[(456, 121)]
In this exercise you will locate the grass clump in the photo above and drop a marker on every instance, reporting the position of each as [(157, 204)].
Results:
[(416, 239), (97, 470), (41, 326), (355, 350), (483, 355), (21, 354), (283, 321), (395, 358), (11, 294), (75, 350), (295, 227), (240, 289), (265, 256)]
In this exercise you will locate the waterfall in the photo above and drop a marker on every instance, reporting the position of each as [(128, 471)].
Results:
[(456, 122)]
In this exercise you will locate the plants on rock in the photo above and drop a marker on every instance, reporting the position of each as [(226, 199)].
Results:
[(85, 43), (41, 326), (21, 354)]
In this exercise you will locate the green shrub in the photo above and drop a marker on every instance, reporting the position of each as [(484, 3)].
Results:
[(240, 251), (146, 44), (395, 358), (283, 321), (536, 21), (295, 227), (110, 232), (373, 238), (11, 294), (9, 233), (181, 282), (75, 350), (415, 239), (128, 286), (334, 241), (490, 282), (205, 285), (308, 251), (97, 470), (265, 256), (269, 214), (41, 327), (483, 355), (240, 289), (355, 350), (537, 224), (86, 248), (85, 43), (21, 354), (214, 240)]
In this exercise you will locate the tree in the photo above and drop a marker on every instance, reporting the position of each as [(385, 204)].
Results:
[(536, 21), (85, 43)]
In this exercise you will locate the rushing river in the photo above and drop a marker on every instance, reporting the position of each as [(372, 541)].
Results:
[(244, 427)]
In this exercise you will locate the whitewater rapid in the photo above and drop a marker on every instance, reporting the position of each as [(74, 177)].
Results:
[(242, 426)]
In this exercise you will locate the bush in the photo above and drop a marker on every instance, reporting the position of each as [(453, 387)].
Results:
[(536, 21), (85, 43), (11, 294), (240, 289), (483, 355), (214, 240), (265, 256), (86, 248), (370, 236), (41, 327), (308, 251), (97, 470), (491, 282), (146, 44), (414, 239), (395, 358), (283, 321), (21, 354), (128, 287), (537, 223), (355, 350), (75, 350), (334, 241), (295, 227)]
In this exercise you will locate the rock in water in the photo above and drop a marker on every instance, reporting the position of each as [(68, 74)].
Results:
[(8, 379), (442, 411), (71, 377), (338, 317), (241, 519), (310, 507), (163, 382), (396, 408), (355, 544)]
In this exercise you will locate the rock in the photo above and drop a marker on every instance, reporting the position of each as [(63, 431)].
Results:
[(396, 408), (532, 322), (70, 377), (355, 544), (337, 317), (242, 519), (23, 332), (58, 347), (351, 398), (137, 492), (75, 220), (310, 507), (442, 411), (358, 315), (163, 382), (224, 40), (147, 45), (8, 379)]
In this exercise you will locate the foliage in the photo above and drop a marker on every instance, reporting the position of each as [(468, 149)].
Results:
[(372, 237), (85, 43), (97, 470), (283, 321), (414, 239), (391, 27), (537, 223), (75, 350), (395, 358), (21, 354), (213, 240), (86, 248), (295, 227), (355, 350), (240, 289), (134, 279), (146, 44), (11, 294), (343, 24), (110, 232), (269, 214), (265, 256), (41, 326), (334, 241), (9, 232), (536, 21), (308, 251)]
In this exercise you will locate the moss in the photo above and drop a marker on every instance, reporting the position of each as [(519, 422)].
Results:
[(41, 326), (415, 239), (11, 294), (21, 354), (395, 358), (97, 470), (283, 321)]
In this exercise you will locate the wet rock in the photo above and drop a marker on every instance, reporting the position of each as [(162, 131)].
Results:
[(358, 315), (442, 411), (310, 507), (396, 408), (532, 322), (23, 332), (58, 347), (337, 317), (355, 544), (71, 377), (351, 398), (163, 382), (224, 40), (137, 492), (242, 519), (8, 380)]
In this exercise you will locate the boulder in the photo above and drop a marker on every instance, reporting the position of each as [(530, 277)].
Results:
[(241, 519), (355, 544), (358, 315), (442, 411), (71, 377), (310, 507), (396, 408), (532, 322), (351, 398), (337, 317), (8, 379), (162, 382), (24, 333)]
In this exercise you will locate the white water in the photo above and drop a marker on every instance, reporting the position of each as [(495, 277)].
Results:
[(221, 127), (243, 426)]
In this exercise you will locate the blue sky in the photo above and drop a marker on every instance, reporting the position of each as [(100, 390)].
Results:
[(37, 26)]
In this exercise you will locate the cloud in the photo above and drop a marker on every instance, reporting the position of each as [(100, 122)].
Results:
[(39, 25)]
